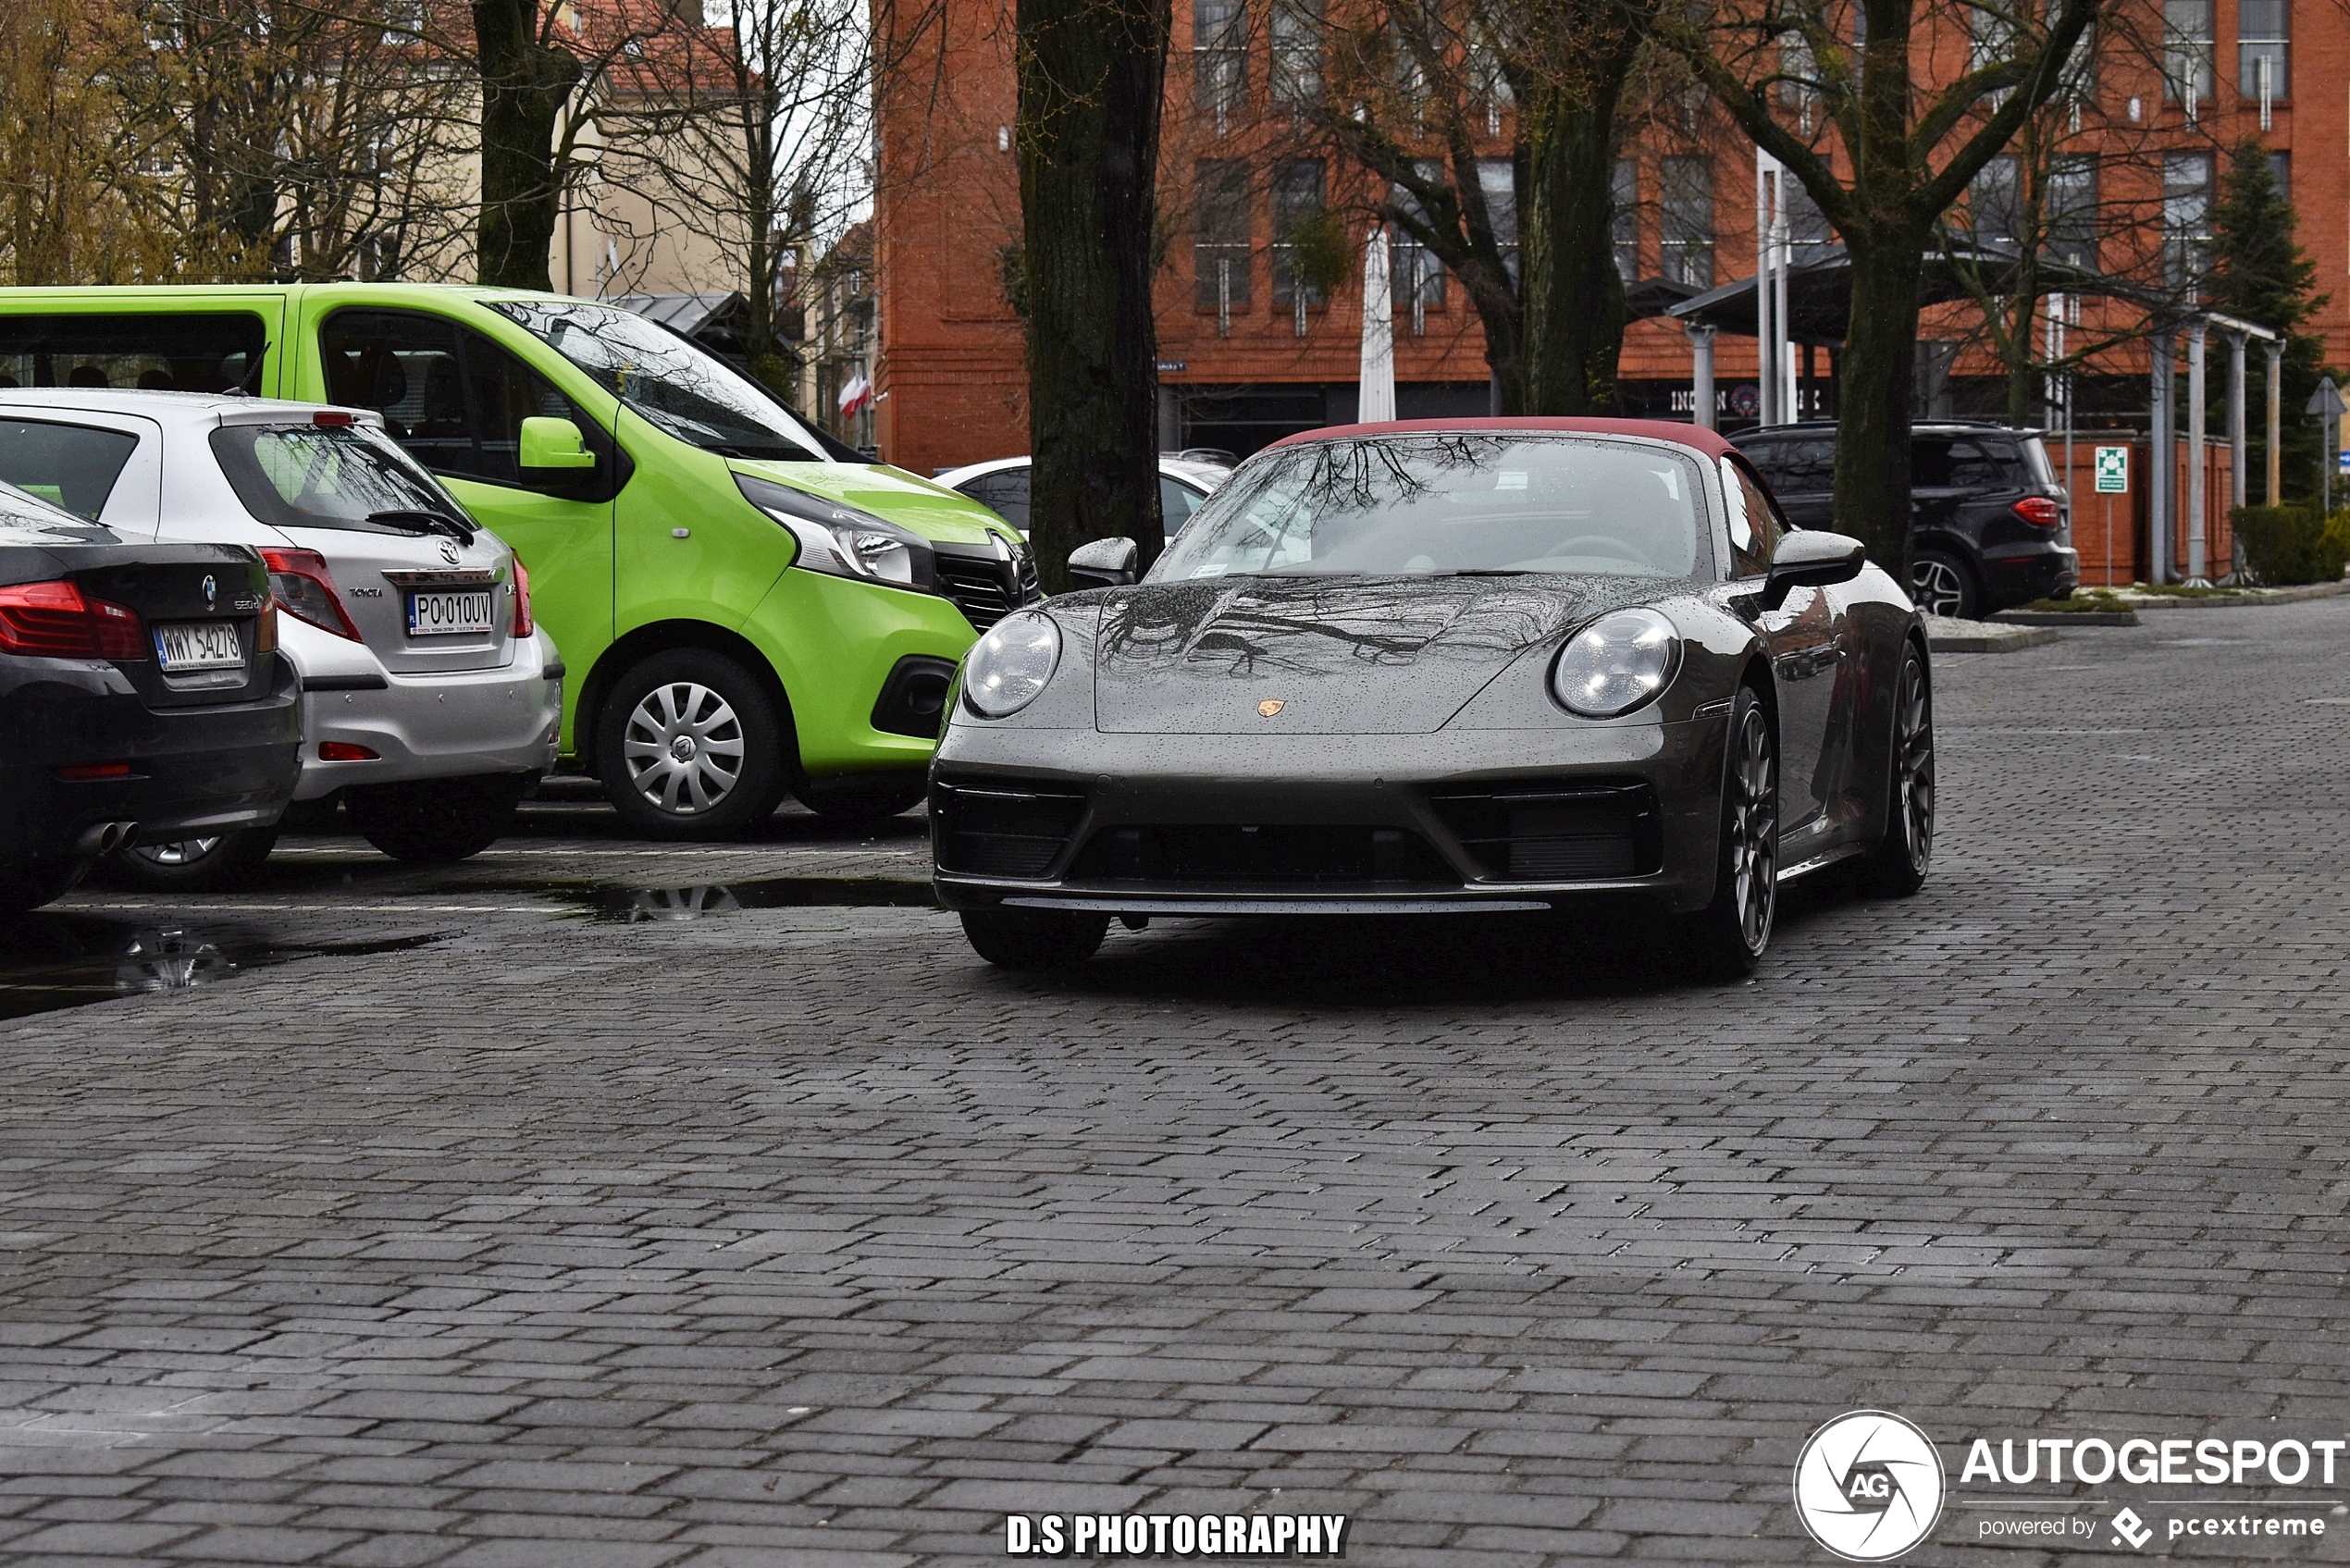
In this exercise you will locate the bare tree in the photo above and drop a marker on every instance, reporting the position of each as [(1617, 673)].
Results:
[(749, 135), (1913, 139), (75, 205)]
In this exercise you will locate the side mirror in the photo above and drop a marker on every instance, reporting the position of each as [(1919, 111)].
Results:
[(1104, 564), (553, 443), (1811, 560)]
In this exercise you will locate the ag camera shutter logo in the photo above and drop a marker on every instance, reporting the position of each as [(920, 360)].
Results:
[(1869, 1486)]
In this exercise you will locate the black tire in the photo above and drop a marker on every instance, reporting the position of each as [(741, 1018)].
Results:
[(434, 819), (1727, 938), (858, 801), (194, 865), (1896, 867), (36, 882), (1034, 939), (732, 772), (1943, 584)]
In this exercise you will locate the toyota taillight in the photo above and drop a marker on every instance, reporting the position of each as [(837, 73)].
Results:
[(523, 623), (55, 621), (2038, 510), (300, 582)]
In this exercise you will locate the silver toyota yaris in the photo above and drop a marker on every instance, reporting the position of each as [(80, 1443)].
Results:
[(430, 702)]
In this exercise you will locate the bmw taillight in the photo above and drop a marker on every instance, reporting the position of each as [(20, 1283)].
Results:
[(55, 621), (303, 588), (523, 623), (2038, 510)]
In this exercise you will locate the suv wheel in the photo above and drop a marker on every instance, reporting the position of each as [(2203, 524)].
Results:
[(1941, 585), (189, 865), (434, 819), (690, 745)]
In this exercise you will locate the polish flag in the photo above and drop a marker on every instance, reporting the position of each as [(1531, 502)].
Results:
[(857, 397)]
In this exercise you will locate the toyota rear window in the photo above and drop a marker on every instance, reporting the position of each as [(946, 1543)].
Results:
[(331, 476), (73, 466)]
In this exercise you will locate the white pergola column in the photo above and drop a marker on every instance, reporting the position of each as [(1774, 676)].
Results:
[(1701, 374), (2198, 482)]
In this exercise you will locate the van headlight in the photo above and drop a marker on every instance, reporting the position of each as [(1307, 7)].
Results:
[(1007, 669), (843, 540), (1616, 664)]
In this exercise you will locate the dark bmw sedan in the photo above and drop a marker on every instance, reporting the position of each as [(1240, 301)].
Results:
[(1419, 667), (142, 696)]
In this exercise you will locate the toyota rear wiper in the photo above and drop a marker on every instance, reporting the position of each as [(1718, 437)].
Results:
[(416, 520)]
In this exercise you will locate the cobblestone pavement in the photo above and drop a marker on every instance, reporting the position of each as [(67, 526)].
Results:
[(504, 1229)]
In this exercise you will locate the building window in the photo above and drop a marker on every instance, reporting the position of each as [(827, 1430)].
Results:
[(1995, 206), (1684, 191), (1297, 52), (2281, 170), (2187, 218), (1623, 225), (1415, 277), (1297, 198), (1808, 235), (1219, 59), (2186, 51), (2072, 212), (1497, 179), (1221, 253), (2263, 35), (1489, 84)]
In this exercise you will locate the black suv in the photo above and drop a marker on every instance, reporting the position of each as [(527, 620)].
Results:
[(1993, 527)]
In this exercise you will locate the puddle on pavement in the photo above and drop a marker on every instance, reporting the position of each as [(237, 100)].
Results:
[(48, 961), (636, 906)]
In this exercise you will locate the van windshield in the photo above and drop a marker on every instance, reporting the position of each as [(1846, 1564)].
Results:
[(670, 382)]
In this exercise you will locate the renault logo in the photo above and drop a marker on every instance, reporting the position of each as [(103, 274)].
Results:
[(1270, 707), (211, 592), (449, 551)]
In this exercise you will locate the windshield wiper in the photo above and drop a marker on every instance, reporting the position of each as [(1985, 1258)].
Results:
[(1485, 572), (416, 520)]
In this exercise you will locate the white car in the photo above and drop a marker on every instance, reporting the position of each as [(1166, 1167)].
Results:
[(1001, 486), (430, 702)]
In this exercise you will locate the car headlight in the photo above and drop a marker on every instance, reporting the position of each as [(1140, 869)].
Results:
[(1007, 668), (843, 540), (1616, 664)]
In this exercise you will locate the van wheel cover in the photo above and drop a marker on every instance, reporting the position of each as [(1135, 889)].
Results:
[(684, 748)]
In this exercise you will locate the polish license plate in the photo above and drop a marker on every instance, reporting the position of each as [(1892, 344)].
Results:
[(198, 645), (464, 613)]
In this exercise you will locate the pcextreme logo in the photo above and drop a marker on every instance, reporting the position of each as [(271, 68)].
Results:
[(1869, 1486)]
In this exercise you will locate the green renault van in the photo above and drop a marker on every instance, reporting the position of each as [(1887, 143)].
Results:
[(744, 606)]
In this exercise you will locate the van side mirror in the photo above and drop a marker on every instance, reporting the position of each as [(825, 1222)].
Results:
[(1104, 563), (1812, 558), (553, 443)]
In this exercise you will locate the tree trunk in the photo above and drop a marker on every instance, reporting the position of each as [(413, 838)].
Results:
[(1878, 377), (1574, 309), (1091, 79), (523, 85)]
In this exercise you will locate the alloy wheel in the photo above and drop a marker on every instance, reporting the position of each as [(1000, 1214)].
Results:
[(1754, 830), (684, 745), (1913, 764), (179, 852), (1936, 586)]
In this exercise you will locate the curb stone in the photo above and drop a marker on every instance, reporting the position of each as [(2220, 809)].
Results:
[(1946, 635)]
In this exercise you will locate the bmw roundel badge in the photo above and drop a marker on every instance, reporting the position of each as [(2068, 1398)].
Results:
[(211, 592)]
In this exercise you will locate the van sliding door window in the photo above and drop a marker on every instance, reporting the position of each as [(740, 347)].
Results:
[(203, 352)]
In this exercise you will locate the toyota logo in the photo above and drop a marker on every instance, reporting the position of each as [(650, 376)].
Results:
[(449, 551)]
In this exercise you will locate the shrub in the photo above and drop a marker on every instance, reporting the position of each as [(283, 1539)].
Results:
[(2284, 545)]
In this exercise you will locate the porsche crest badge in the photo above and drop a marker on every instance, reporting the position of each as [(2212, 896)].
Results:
[(1270, 707)]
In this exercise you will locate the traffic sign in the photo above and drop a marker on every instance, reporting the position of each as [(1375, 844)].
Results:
[(2326, 400), (2113, 471)]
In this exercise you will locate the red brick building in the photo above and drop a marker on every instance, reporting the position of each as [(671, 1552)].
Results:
[(1241, 363)]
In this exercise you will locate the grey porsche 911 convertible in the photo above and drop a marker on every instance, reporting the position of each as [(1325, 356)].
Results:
[(1414, 668)]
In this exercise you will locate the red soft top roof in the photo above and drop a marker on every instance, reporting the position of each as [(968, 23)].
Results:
[(1706, 441)]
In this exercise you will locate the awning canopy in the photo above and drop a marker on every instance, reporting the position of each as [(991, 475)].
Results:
[(1819, 292)]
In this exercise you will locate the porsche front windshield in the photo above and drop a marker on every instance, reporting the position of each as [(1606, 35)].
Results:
[(1478, 503)]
